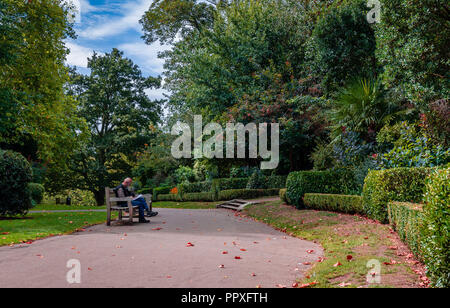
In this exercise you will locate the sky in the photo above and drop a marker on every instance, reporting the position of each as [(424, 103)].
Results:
[(106, 24)]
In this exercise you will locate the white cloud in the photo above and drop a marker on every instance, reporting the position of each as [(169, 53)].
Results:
[(78, 55), (146, 55), (114, 25)]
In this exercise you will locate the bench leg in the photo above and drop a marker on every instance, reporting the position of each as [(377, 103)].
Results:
[(120, 216), (130, 209), (108, 216)]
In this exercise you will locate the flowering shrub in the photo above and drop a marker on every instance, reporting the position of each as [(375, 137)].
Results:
[(174, 191)]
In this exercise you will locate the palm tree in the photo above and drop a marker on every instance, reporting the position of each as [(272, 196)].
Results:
[(361, 107)]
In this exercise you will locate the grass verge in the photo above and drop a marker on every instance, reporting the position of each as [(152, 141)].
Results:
[(41, 225), (349, 243)]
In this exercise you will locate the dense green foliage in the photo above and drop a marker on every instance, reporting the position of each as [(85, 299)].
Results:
[(229, 183), (199, 196), (195, 187), (15, 175), (331, 182), (399, 184), (34, 107), (412, 47), (37, 192), (257, 181), (78, 197), (436, 228), (343, 44), (164, 190), (247, 193), (406, 219), (332, 202)]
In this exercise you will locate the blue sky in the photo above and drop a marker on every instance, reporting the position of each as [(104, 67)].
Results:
[(105, 24)]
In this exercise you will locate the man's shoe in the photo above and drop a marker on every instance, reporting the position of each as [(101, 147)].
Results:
[(151, 214), (144, 221)]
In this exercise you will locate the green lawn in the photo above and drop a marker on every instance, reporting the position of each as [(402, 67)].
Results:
[(40, 225), (343, 237), (51, 207)]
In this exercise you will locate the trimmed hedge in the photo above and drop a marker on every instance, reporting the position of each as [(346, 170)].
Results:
[(167, 197), (15, 175), (37, 192), (337, 203), (327, 182), (163, 190), (406, 219), (399, 184), (146, 191), (436, 228), (195, 187), (283, 195), (229, 183), (247, 193), (201, 196)]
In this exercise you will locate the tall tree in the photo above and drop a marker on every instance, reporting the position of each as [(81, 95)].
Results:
[(119, 114), (34, 105)]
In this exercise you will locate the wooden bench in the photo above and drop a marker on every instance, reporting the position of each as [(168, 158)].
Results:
[(111, 205)]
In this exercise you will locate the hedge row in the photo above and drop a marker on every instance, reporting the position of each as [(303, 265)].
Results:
[(399, 184), (222, 195), (164, 190), (247, 193), (339, 203), (197, 187), (406, 219), (436, 228), (37, 192), (329, 182)]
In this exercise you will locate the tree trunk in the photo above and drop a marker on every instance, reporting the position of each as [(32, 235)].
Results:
[(100, 197)]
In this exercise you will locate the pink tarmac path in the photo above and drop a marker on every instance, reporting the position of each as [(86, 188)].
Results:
[(156, 255)]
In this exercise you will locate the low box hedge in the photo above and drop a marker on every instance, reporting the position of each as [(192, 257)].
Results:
[(398, 184), (436, 228), (276, 181), (332, 202), (327, 182), (163, 190), (167, 197), (406, 219), (247, 193), (283, 195), (200, 196)]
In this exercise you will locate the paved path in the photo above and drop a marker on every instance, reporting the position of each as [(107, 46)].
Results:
[(141, 256)]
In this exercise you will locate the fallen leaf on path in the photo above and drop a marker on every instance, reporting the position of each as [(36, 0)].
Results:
[(310, 251), (225, 252), (337, 264), (237, 258), (344, 284), (156, 229), (281, 286), (349, 257), (242, 249), (221, 266), (295, 285), (307, 285), (189, 244)]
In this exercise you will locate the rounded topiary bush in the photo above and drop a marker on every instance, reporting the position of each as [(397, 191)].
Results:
[(37, 192), (15, 175)]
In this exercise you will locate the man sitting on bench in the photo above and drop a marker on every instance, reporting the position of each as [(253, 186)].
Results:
[(122, 191)]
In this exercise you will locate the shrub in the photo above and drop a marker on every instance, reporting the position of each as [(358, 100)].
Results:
[(400, 184), (226, 184), (257, 181), (200, 196), (337, 203), (436, 228), (283, 196), (15, 174), (37, 192), (406, 219), (195, 187), (163, 190), (331, 182), (276, 181), (246, 193)]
